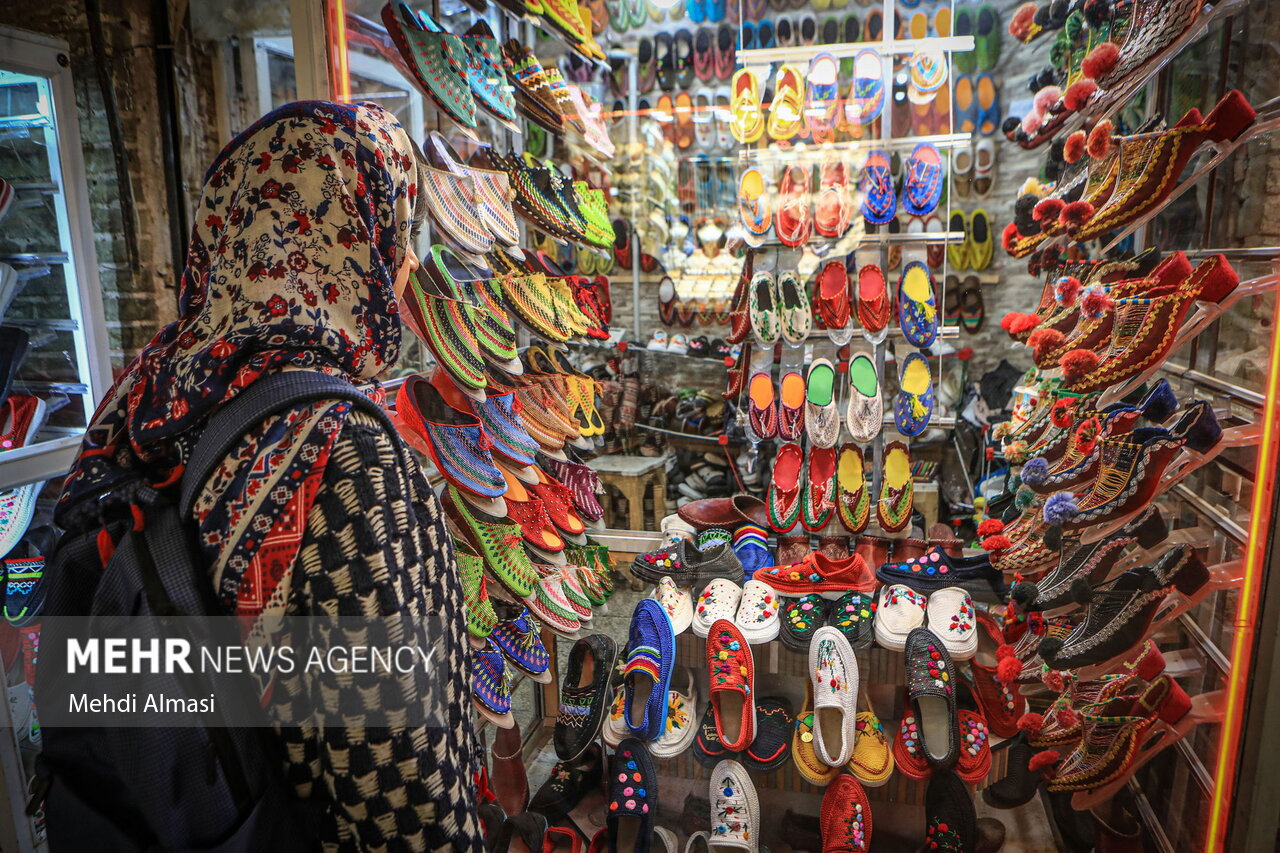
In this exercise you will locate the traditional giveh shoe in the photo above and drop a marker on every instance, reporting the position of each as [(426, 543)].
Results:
[(846, 816), (800, 618), (766, 320), (833, 670), (796, 314), (865, 415), (719, 600), (584, 695), (688, 565), (853, 497), (647, 676), (494, 542), (754, 207), (897, 490), (519, 643), (873, 302), (489, 691), (818, 573), (735, 809), (853, 614), (481, 617), (922, 187), (775, 723), (917, 309), (757, 617), (633, 797), (751, 546), (437, 60), (872, 760), (931, 690), (677, 602), (901, 610), (818, 497), (791, 406), (936, 569), (822, 418), (879, 204), (784, 490), (914, 405), (732, 685), (680, 731), (455, 440), (812, 768), (446, 324), (950, 617)]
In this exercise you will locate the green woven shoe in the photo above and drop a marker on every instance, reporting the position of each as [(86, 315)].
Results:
[(481, 618), (499, 544), (447, 325)]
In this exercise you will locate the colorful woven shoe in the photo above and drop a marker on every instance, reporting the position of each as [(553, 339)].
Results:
[(853, 497), (766, 321), (811, 767), (647, 676), (532, 92), (795, 314), (922, 187), (518, 640), (820, 574), (559, 503), (23, 590), (853, 614), (917, 310), (583, 484), (550, 602), (481, 618), (451, 200), (821, 416), (872, 760), (879, 203), (914, 405), (864, 417), (846, 816), (584, 695), (530, 299), (490, 690), (492, 197), (732, 685), (897, 491), (447, 325), (486, 72), (437, 60), (455, 440), (818, 497), (784, 491), (498, 544)]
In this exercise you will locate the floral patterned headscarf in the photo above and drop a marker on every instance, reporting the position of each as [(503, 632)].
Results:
[(303, 221)]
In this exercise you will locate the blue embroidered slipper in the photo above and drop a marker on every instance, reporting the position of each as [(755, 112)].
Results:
[(914, 405), (455, 440), (922, 188), (866, 94), (917, 307), (23, 591), (489, 689), (518, 640), (651, 653), (879, 203)]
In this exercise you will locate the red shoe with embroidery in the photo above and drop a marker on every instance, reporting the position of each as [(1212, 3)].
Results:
[(846, 816), (739, 315), (733, 674), (558, 501), (784, 492), (831, 303), (1000, 705), (819, 573), (874, 310)]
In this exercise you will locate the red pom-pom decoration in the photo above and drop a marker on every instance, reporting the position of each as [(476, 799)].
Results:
[(1063, 413), (1031, 723), (999, 542), (1009, 237), (1078, 94), (1046, 99), (1054, 681), (990, 527), (1023, 323), (1101, 61), (1021, 22), (1096, 303), (1079, 363), (1008, 670), (1004, 650), (1099, 143), (1007, 318), (1048, 210), (1066, 289), (1073, 148), (1044, 341), (1043, 760), (1067, 717), (1076, 214)]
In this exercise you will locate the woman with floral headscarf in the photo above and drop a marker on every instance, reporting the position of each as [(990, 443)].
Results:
[(300, 250)]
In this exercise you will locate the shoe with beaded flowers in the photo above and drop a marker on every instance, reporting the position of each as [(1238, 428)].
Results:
[(735, 808)]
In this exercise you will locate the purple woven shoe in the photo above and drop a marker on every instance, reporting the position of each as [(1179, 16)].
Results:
[(582, 481)]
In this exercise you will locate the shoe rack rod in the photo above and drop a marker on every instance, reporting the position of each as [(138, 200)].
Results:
[(633, 134), (710, 439), (1198, 770), (1205, 645), (1222, 152), (36, 463), (1153, 66), (36, 258), (802, 152), (1210, 513), (1149, 819), (1238, 253), (884, 237), (1246, 396), (889, 47)]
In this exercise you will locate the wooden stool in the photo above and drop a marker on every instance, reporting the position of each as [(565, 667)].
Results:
[(631, 476)]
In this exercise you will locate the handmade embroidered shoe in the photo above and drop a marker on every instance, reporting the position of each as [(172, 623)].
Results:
[(518, 641), (582, 482), (917, 309), (846, 816), (447, 325), (719, 600), (437, 60), (800, 618), (790, 406), (762, 301), (677, 602), (853, 614), (951, 822), (913, 407), (950, 617), (936, 569), (633, 798), (688, 566), (754, 208), (558, 502), (757, 615), (23, 590), (795, 312), (897, 491), (818, 573), (499, 544), (879, 203), (680, 730), (853, 497), (489, 690), (775, 724), (784, 490), (735, 809), (833, 671), (647, 677), (873, 302), (901, 610), (481, 618), (806, 758), (763, 414), (1000, 705), (732, 685), (931, 686), (922, 187), (822, 418), (529, 298), (532, 90), (817, 502), (550, 602), (569, 783), (831, 301), (872, 760), (865, 414), (456, 442), (584, 695)]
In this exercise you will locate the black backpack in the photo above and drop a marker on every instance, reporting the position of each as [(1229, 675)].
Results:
[(213, 787)]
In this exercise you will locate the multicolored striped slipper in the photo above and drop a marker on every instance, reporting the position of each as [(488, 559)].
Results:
[(518, 641)]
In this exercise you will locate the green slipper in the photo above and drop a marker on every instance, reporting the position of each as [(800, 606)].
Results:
[(987, 37)]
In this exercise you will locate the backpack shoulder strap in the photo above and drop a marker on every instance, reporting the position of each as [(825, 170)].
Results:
[(277, 392)]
